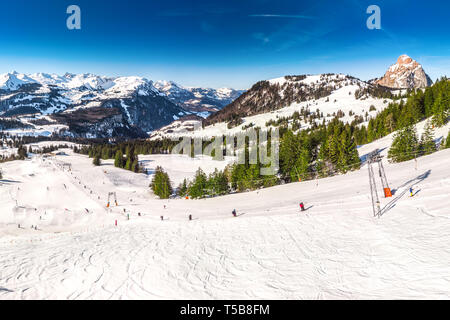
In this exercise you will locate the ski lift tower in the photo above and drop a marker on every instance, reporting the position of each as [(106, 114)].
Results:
[(112, 194), (372, 158)]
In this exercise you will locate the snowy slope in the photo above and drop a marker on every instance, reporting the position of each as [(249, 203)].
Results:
[(336, 249), (341, 98)]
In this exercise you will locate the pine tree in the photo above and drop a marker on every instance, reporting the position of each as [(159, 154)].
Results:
[(389, 123), (198, 187), (441, 110), (96, 161), (447, 141), (118, 161), (135, 166), (218, 183), (427, 144), (428, 102), (182, 190), (288, 154), (106, 153), (128, 164), (348, 157), (371, 131), (405, 145), (161, 184)]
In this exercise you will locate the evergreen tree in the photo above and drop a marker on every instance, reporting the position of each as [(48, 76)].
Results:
[(118, 160), (427, 144), (96, 161), (182, 190), (348, 156), (106, 153), (405, 145), (218, 183), (428, 102), (135, 166), (161, 184), (441, 110), (447, 141), (128, 164), (198, 187)]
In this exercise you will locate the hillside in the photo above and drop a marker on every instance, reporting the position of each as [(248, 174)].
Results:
[(315, 98), (336, 249)]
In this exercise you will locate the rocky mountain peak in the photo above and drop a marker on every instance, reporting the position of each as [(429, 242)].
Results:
[(407, 73)]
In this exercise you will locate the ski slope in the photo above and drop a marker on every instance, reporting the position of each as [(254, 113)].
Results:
[(334, 250)]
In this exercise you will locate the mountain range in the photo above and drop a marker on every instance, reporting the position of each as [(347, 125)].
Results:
[(88, 105)]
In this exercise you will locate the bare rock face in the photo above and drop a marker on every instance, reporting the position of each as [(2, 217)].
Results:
[(405, 74)]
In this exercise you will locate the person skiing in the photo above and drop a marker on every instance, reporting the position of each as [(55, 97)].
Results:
[(302, 206), (190, 217), (234, 213), (411, 191), (162, 218)]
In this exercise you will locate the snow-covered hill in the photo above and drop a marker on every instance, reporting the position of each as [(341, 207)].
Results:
[(324, 96), (336, 249)]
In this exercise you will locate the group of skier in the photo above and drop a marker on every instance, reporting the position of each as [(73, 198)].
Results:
[(234, 212)]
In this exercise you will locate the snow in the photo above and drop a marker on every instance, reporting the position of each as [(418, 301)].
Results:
[(335, 250), (13, 81), (340, 99), (42, 130), (180, 167)]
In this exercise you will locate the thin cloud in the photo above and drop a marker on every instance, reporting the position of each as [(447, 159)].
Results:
[(293, 16)]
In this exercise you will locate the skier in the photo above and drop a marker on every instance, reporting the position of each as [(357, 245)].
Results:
[(302, 206), (234, 213), (190, 217), (411, 191), (162, 218)]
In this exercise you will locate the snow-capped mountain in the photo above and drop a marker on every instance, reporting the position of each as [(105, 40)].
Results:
[(302, 100), (88, 104), (202, 101), (271, 95), (405, 74)]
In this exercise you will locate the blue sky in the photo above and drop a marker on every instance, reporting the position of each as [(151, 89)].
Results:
[(222, 43)]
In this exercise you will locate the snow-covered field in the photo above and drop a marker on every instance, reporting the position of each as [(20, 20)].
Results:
[(336, 249), (180, 167)]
